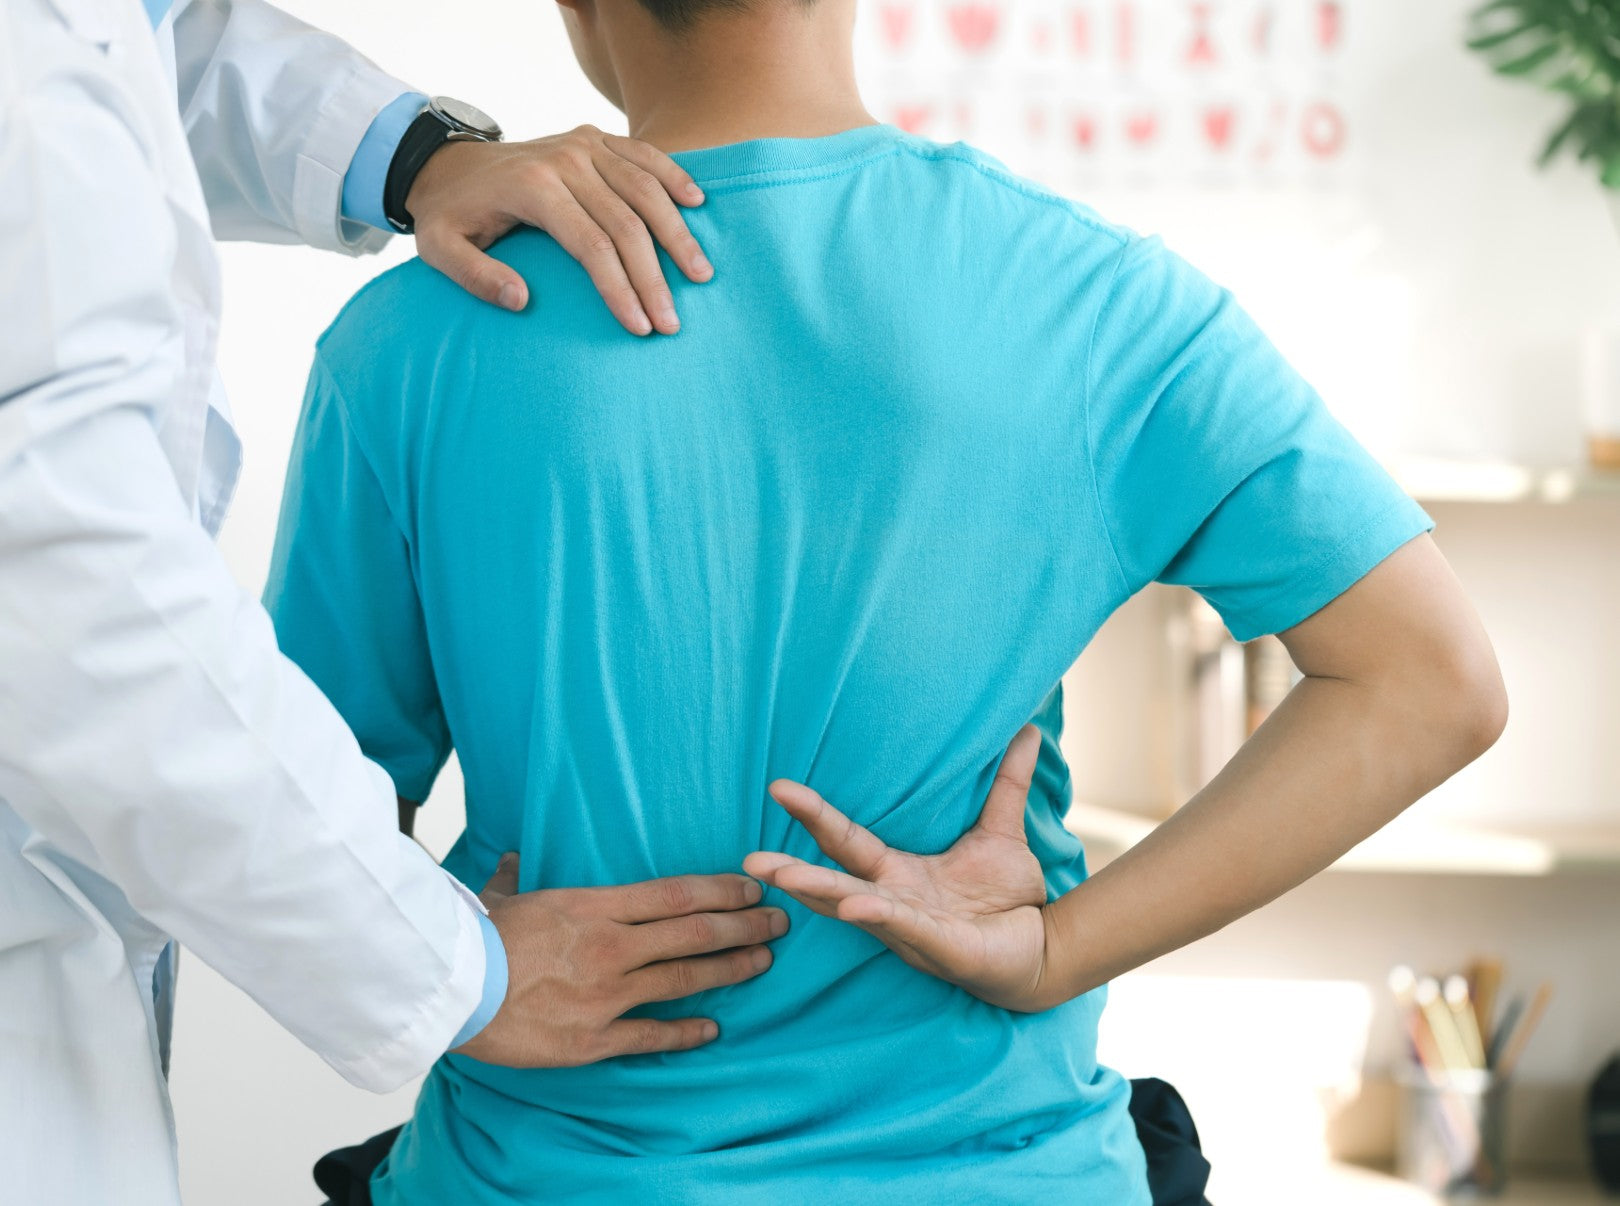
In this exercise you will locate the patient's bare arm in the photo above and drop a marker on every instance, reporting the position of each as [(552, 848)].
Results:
[(1401, 691)]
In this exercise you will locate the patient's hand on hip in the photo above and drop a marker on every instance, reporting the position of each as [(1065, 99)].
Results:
[(973, 915), (578, 959)]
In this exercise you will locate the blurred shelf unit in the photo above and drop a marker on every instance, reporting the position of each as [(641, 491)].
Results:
[(1412, 844), (1432, 479), (1217, 692)]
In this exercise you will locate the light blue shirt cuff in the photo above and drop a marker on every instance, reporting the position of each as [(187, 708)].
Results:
[(368, 171), (494, 983)]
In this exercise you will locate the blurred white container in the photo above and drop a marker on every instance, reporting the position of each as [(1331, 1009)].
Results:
[(1450, 1138), (1600, 385)]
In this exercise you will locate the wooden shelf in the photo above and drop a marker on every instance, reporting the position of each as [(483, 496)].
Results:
[(1411, 844), (1437, 479), (1350, 1185)]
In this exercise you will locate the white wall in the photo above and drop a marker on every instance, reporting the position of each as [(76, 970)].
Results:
[(1435, 296)]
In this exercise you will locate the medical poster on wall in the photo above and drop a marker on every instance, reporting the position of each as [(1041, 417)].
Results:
[(1125, 94)]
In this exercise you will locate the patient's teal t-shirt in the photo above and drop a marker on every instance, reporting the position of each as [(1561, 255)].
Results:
[(927, 428)]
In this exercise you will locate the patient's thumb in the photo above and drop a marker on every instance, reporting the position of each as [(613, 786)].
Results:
[(1009, 793), (505, 880)]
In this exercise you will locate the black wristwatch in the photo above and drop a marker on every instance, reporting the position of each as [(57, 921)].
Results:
[(442, 120)]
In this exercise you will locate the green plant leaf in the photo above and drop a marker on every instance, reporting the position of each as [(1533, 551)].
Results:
[(1565, 47), (1582, 85), (1558, 138), (1491, 40), (1525, 64)]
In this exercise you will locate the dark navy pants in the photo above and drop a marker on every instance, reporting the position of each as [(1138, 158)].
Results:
[(1177, 1170)]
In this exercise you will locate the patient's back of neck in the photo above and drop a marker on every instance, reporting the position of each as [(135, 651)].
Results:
[(778, 69)]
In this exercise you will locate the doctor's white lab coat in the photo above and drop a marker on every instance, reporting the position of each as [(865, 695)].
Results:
[(163, 770)]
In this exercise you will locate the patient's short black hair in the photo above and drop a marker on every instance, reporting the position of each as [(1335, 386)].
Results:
[(683, 14)]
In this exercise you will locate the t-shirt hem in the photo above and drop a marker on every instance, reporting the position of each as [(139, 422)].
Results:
[(413, 786)]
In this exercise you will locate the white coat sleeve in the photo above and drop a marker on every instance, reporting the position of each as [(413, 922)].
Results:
[(274, 111), (148, 724)]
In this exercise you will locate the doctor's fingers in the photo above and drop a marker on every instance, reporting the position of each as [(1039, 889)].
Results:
[(636, 252), (675, 180), (582, 236), (643, 1036), (675, 896), (704, 933), (463, 261), (685, 977), (631, 170)]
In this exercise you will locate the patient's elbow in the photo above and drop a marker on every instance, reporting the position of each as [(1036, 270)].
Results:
[(1472, 701)]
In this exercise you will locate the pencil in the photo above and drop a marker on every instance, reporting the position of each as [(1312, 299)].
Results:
[(1523, 1031), (1504, 1030), (1402, 983), (1455, 992), (1484, 982), (1453, 1055)]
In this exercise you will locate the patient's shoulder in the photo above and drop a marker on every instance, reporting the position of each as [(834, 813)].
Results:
[(390, 308), (388, 317), (407, 325), (398, 308), (992, 176)]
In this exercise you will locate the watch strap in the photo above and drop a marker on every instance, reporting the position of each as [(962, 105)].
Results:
[(422, 137)]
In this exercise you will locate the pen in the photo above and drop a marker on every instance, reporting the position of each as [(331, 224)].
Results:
[(1484, 982), (1403, 984), (1457, 1000), (1523, 1031), (1504, 1030), (1453, 1055)]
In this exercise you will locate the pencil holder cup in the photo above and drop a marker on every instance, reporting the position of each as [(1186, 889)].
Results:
[(1451, 1133)]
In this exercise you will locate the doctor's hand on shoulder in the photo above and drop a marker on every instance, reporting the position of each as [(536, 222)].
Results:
[(581, 958), (604, 198)]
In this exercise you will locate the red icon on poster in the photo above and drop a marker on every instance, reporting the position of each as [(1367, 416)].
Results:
[(1201, 49), (1218, 127), (896, 20), (1322, 130), (1195, 92), (1080, 33), (1262, 31), (913, 119), (973, 26), (1329, 24), (1125, 33), (1142, 128)]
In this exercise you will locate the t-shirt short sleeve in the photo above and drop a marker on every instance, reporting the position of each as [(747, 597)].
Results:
[(1217, 466), (344, 600)]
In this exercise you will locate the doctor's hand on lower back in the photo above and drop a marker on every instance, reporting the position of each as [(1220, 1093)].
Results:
[(602, 197), (973, 915), (578, 959)]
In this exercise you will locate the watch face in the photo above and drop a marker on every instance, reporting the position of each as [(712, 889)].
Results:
[(466, 117)]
